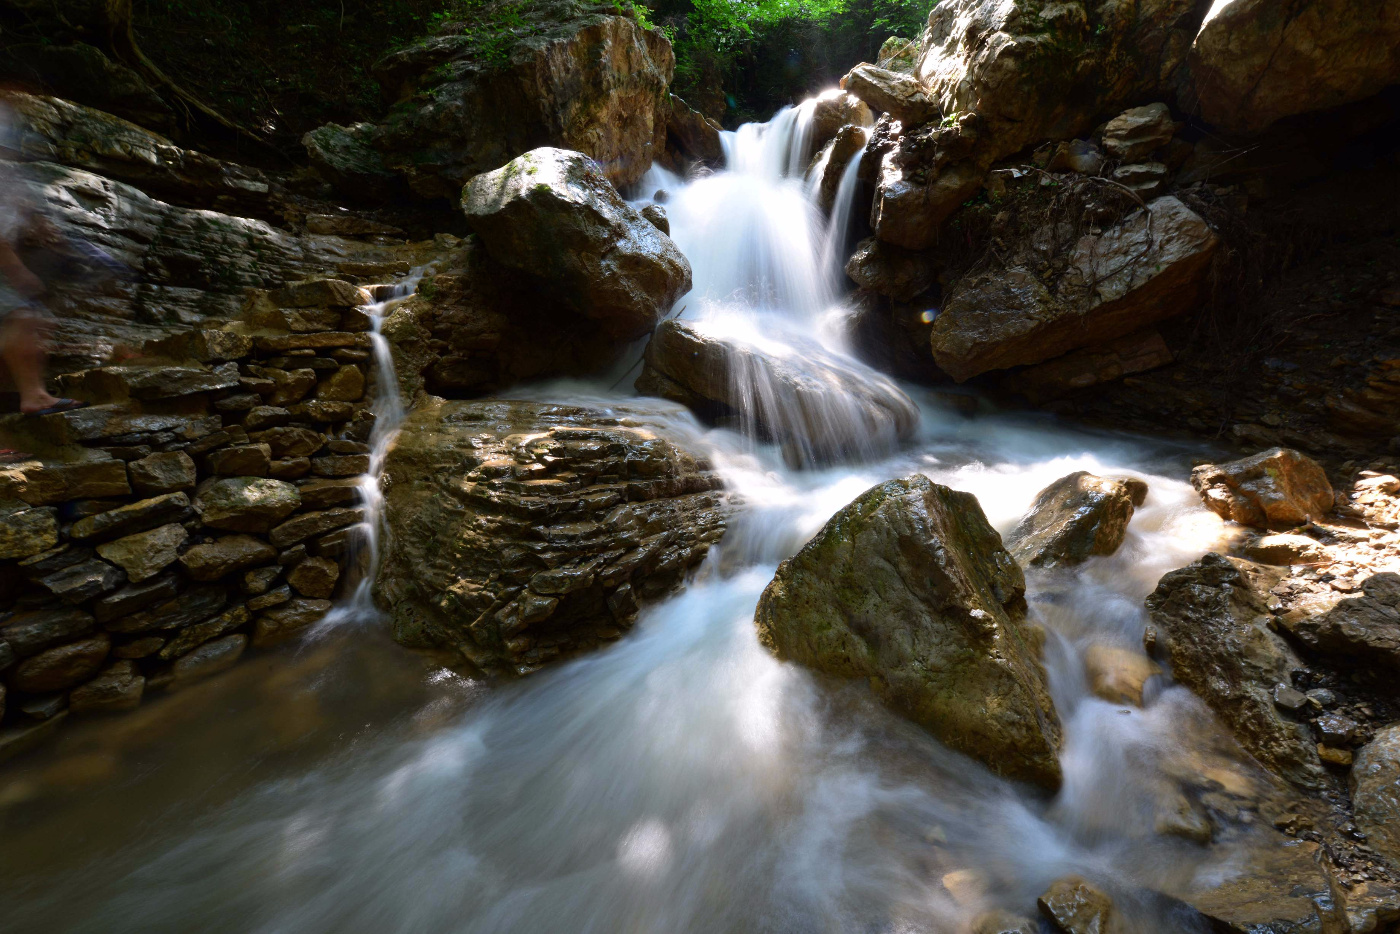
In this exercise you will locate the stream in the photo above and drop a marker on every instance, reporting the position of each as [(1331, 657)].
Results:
[(680, 780)]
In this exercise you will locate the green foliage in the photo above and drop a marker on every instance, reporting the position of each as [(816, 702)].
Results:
[(741, 59)]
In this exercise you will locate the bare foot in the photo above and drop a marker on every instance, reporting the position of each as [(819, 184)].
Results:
[(37, 402)]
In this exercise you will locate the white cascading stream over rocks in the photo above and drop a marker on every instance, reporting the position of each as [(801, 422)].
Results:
[(681, 780)]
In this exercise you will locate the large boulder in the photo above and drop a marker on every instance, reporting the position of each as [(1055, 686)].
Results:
[(1277, 488), (475, 326), (1375, 792), (1213, 627), (1014, 74), (569, 74), (820, 406), (553, 215), (1074, 518), (518, 532), (1359, 630), (1255, 62), (909, 586), (689, 137), (897, 94), (1148, 267)]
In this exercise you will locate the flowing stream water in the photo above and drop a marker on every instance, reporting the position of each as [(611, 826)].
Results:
[(682, 780)]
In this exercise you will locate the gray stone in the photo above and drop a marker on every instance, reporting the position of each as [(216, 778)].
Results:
[(191, 606), (209, 659), (262, 417), (310, 524), (231, 553), (346, 384), (62, 667), (314, 577), (191, 637), (246, 504), (310, 293), (287, 620), (118, 687), (52, 482), (290, 441), (269, 599), (134, 597), (258, 580), (899, 95), (326, 493), (1375, 792), (240, 460), (1136, 133), (146, 554), (162, 473), (136, 517), (344, 465), (32, 632), (80, 582)]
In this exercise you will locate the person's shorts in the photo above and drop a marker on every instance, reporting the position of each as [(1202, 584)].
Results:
[(15, 305)]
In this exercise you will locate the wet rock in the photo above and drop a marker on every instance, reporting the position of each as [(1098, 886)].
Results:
[(146, 383), (1075, 906), (1003, 922), (1375, 792), (1118, 675), (552, 215), (157, 474), (347, 384), (209, 659), (78, 583), (310, 524), (1214, 629), (203, 345), (290, 441), (319, 293), (849, 142), (262, 417), (31, 632), (1364, 628), (273, 597), (343, 465), (118, 687), (1074, 518), (135, 597), (1277, 884), (514, 526), (1284, 549), (62, 667), (225, 556), (1251, 67), (188, 607), (1148, 267), (910, 587), (146, 554), (1148, 179), (691, 137), (314, 577), (246, 504), (899, 95), (286, 620), (26, 530), (1102, 363), (240, 460), (576, 78), (1369, 907), (326, 493), (190, 637), (656, 215), (1135, 134), (909, 207), (835, 110), (289, 386), (900, 274), (1277, 488), (822, 407), (136, 517)]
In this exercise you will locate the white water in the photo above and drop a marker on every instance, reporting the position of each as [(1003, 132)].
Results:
[(682, 781)]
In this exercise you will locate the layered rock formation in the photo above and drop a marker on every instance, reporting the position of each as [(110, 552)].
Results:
[(909, 587), (1278, 488), (520, 532), (578, 76)]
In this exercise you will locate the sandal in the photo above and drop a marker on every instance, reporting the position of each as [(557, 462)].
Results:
[(11, 456), (62, 405)]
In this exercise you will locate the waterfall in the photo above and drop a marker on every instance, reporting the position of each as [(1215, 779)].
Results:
[(681, 780)]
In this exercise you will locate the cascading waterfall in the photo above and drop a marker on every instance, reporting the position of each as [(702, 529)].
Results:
[(681, 780)]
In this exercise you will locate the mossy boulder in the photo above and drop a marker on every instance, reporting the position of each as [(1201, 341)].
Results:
[(910, 587)]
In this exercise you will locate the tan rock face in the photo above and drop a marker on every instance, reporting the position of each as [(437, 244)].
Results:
[(1118, 675), (910, 587), (1213, 628), (1278, 488), (1090, 366), (834, 111), (552, 215), (823, 408), (890, 270), (690, 137), (1147, 268), (1255, 62), (594, 83), (884, 91), (1077, 907), (1074, 518), (520, 532)]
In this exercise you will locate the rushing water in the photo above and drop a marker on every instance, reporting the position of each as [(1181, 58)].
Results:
[(679, 781)]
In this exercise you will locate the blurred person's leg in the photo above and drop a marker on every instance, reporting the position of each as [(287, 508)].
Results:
[(23, 344)]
